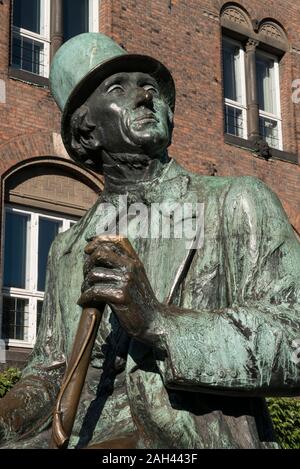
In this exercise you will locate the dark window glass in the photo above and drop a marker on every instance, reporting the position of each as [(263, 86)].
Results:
[(15, 318), (269, 131), (39, 314), (16, 52), (48, 229), (234, 121), (266, 86), (15, 250), (27, 54), (26, 15), (76, 17), (231, 70)]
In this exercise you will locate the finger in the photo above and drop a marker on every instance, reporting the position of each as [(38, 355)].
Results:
[(105, 257), (105, 294), (117, 243), (100, 275), (98, 240)]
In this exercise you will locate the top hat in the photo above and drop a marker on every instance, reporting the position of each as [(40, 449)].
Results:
[(83, 62)]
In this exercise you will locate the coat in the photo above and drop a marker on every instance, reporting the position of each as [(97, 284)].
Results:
[(233, 344)]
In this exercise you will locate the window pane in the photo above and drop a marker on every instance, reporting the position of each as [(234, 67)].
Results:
[(15, 250), (232, 72), (27, 54), (266, 87), (31, 56), (76, 17), (16, 51), (15, 318), (38, 314), (48, 229), (27, 14), (234, 124), (269, 131)]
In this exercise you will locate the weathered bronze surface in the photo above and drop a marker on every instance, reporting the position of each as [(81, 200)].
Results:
[(190, 340)]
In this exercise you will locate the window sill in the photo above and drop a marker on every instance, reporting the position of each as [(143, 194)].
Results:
[(27, 77), (19, 343), (265, 152)]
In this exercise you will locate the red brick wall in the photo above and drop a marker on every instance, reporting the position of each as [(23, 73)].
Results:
[(186, 36), (28, 108)]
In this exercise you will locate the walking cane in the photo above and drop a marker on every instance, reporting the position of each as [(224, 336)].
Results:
[(68, 398)]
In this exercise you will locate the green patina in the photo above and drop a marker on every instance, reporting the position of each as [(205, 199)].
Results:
[(225, 343), (240, 317)]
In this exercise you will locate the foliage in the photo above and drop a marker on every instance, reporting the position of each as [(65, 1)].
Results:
[(285, 414), (8, 379)]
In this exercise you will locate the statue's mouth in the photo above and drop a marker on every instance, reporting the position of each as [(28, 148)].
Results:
[(146, 117)]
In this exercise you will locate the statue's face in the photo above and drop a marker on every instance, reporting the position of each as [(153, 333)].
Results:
[(130, 114)]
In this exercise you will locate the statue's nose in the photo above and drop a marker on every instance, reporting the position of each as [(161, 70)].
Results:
[(143, 98)]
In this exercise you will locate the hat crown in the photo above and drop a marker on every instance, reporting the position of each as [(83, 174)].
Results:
[(75, 59)]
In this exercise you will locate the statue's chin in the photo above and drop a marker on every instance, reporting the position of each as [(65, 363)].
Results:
[(148, 139)]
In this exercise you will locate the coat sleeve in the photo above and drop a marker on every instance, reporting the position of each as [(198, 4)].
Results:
[(250, 346), (29, 404)]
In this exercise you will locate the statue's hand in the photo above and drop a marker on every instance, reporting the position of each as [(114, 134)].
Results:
[(114, 274)]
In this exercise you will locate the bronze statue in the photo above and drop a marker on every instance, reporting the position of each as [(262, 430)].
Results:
[(191, 337)]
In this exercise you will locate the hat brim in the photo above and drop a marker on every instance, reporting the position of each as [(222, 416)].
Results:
[(122, 63)]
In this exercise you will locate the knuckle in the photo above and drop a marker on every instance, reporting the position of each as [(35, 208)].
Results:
[(128, 277), (119, 296)]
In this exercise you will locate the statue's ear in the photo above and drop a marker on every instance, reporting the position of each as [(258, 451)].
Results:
[(84, 139)]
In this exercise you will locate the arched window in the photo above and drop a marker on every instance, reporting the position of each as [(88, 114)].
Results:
[(40, 202), (251, 54), (28, 236)]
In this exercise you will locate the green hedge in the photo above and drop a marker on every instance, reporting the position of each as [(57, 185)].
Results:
[(285, 412), (7, 380)]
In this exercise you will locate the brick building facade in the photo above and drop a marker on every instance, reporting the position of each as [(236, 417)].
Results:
[(186, 35)]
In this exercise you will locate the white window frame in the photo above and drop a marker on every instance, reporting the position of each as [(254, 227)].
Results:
[(30, 292), (275, 117), (235, 104), (94, 16), (42, 38)]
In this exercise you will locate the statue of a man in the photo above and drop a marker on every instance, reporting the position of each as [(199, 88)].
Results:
[(191, 341)]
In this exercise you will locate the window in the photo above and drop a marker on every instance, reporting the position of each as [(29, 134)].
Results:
[(234, 89), (267, 76), (31, 30), (79, 16), (265, 99), (75, 17), (28, 237), (31, 36)]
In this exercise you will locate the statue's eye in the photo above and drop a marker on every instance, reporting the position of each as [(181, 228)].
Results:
[(116, 88), (150, 88)]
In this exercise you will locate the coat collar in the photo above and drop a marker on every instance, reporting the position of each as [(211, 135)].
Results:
[(172, 185)]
